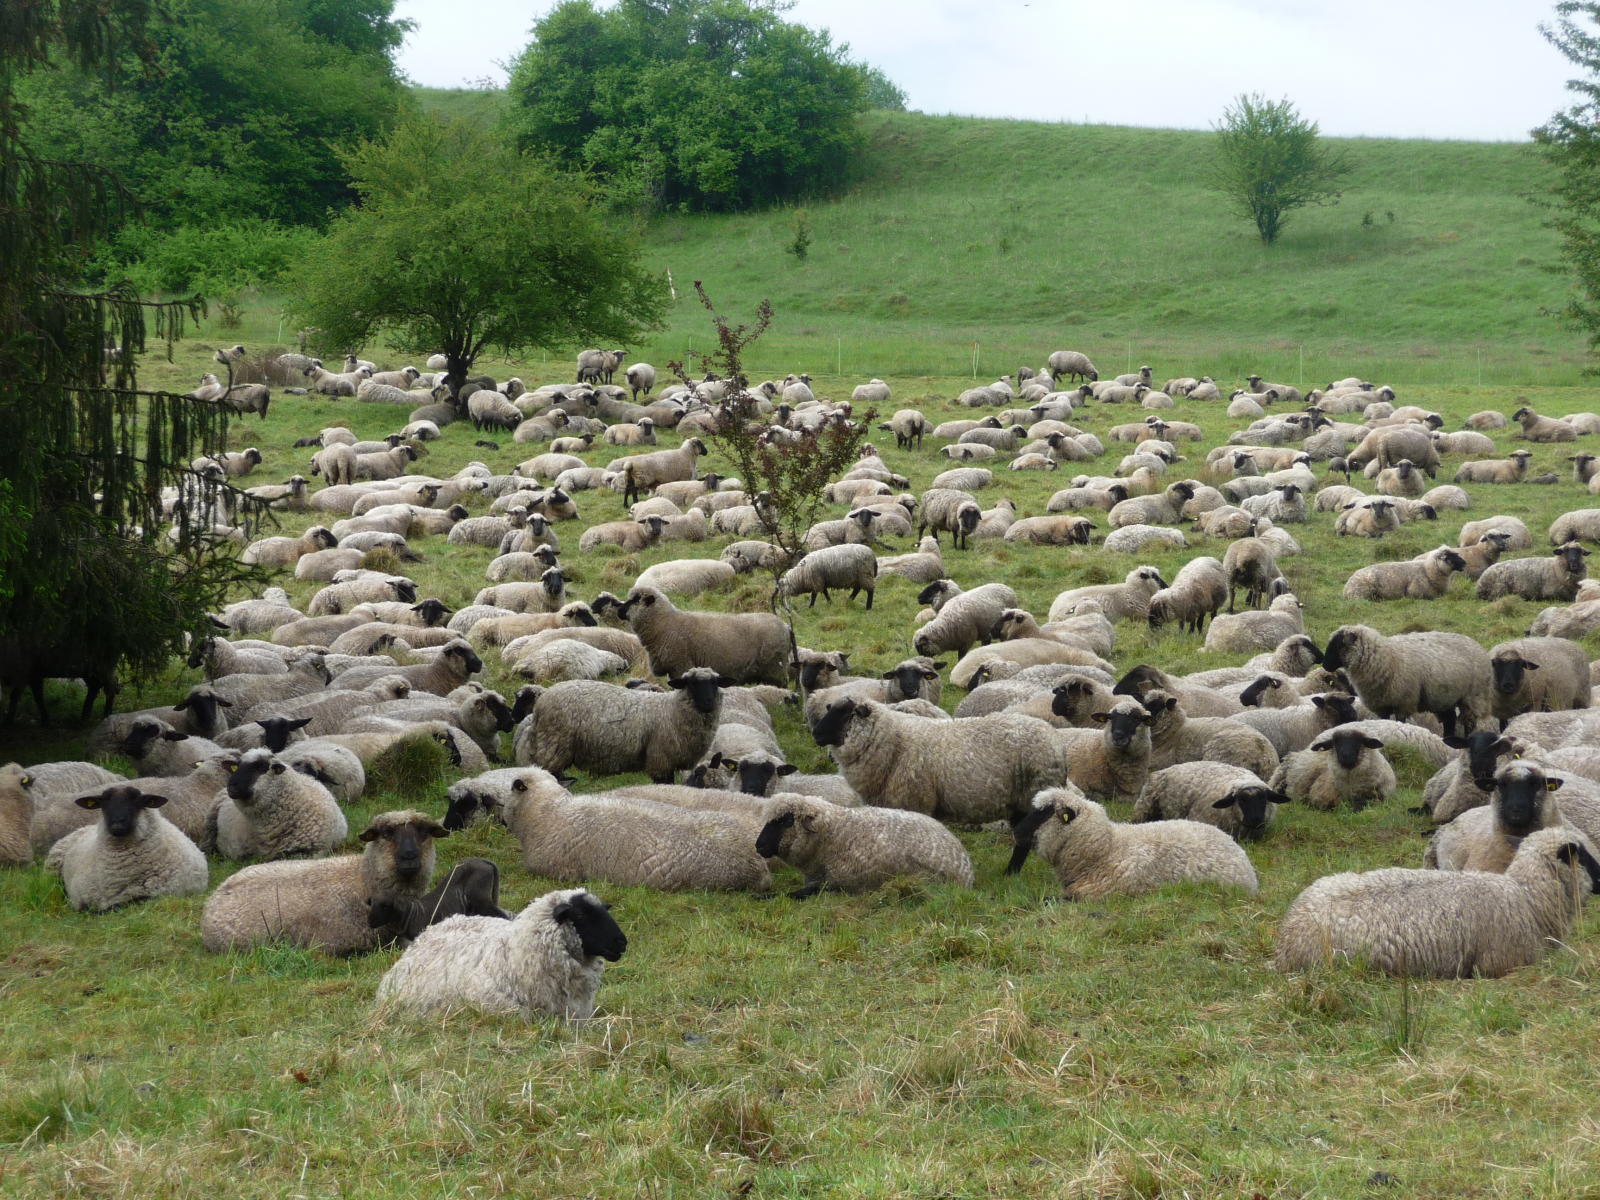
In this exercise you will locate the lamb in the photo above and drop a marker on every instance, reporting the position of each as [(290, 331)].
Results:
[(547, 959), (1094, 856), (1485, 838), (1061, 530), (1424, 578), (631, 536), (858, 849), (1495, 470), (962, 617), (1443, 924), (1543, 429), (271, 811), (746, 647), (1554, 578), (1251, 564), (1231, 798), (1343, 764), (978, 770), (1242, 633), (849, 566), (325, 904), (1296, 727), (133, 853), (1197, 591), (1125, 601), (691, 576), (1396, 677), (631, 842), (1175, 737), (1484, 553), (607, 730), (1538, 675), (948, 510)]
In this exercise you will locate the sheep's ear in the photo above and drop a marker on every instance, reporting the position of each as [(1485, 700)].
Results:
[(1067, 814), (432, 829), (1172, 703), (150, 801), (172, 735), (726, 681), (519, 785), (1102, 717), (1225, 802), (293, 725), (563, 913), (182, 704), (1323, 744), (1553, 785), (787, 769), (1529, 666), (229, 703), (718, 760), (1372, 743), (87, 801)]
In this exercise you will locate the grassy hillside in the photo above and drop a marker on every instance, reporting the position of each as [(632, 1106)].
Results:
[(918, 1042), (459, 102), (1026, 237)]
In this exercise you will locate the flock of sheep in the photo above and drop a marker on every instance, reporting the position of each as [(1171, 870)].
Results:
[(299, 704)]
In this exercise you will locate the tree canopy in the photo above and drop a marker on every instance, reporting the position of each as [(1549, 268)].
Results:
[(706, 103), (1271, 161), (462, 244), (1570, 142)]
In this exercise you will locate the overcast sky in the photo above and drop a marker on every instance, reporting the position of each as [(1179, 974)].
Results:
[(1475, 69)]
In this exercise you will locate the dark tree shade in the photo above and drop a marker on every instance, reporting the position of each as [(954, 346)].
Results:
[(709, 103), (1270, 162), (1570, 142), (462, 244)]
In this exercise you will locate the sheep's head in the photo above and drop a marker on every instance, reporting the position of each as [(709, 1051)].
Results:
[(1251, 696), (1527, 413), (1521, 792), (909, 676), (1347, 746), (119, 807), (596, 930), (403, 842), (432, 611), (247, 771), (276, 731), (1123, 723), (1255, 804), (143, 732), (1571, 557), (701, 685), (833, 726), (819, 668)]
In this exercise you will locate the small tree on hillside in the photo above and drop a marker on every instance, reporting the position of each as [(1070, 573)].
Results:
[(790, 476), (462, 245), (1271, 161), (1570, 142)]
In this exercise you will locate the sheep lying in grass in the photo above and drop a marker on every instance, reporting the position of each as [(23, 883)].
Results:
[(1343, 764), (1424, 578), (1231, 798), (471, 889), (1179, 738), (270, 811), (1485, 839), (1125, 601), (132, 853), (1543, 429), (1094, 856), (324, 904), (1495, 470), (547, 959), (1554, 578), (1239, 633), (1443, 924), (858, 849)]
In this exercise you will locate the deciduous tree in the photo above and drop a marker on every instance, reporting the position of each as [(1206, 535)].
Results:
[(1271, 161)]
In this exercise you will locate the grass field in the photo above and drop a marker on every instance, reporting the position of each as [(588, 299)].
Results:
[(920, 1042)]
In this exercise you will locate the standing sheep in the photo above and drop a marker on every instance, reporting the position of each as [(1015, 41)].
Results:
[(962, 617), (849, 566), (1397, 677), (749, 648)]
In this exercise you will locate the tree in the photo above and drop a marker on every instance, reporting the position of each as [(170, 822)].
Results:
[(88, 582), (883, 92), (705, 103), (1270, 161), (1570, 142), (462, 245)]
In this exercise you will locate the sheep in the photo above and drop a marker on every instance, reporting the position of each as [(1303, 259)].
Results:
[(286, 551), (1060, 530), (1028, 652), (849, 566), (631, 842), (1296, 727), (1125, 601), (324, 904), (1231, 798), (983, 769), (948, 510), (454, 666), (271, 811), (1239, 633), (1250, 564), (1387, 446), (1443, 924), (822, 684), (858, 849), (1581, 525), (1538, 675), (1164, 509), (856, 529), (642, 472), (962, 479), (564, 660), (1073, 498), (1554, 578), (1342, 764), (925, 566), (642, 433), (1066, 364), (309, 674), (1369, 518), (132, 853), (1136, 539), (1495, 470), (1463, 443), (1402, 479), (908, 426), (962, 618), (1110, 763), (631, 536), (746, 647), (1486, 420), (1466, 781), (1094, 856), (761, 773), (1473, 531), (1197, 591), (547, 959), (1396, 677), (1285, 504), (339, 597), (1426, 577), (1485, 838), (157, 749), (1484, 553), (1227, 522), (1543, 429), (689, 577), (1175, 737)]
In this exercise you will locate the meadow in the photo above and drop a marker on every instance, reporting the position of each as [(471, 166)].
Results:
[(918, 1042)]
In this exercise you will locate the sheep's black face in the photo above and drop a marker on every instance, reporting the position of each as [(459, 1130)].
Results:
[(242, 778), (584, 617), (470, 663), (463, 810), (1483, 754), (140, 735), (1579, 853), (769, 842), (969, 517), (1124, 724), (1347, 749), (810, 672), (407, 850), (275, 731), (1338, 646), (1137, 682), (701, 689), (931, 593), (1521, 791), (755, 776), (1340, 708), (1572, 557), (1251, 696), (503, 720), (119, 807), (598, 932), (908, 680), (554, 582), (406, 592), (431, 611), (831, 728), (1508, 673), (1254, 804)]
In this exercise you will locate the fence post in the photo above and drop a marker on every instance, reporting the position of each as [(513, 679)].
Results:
[(974, 360)]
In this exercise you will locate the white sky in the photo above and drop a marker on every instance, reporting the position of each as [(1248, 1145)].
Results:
[(1474, 69)]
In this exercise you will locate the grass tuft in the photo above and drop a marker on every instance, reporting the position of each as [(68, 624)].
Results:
[(410, 769)]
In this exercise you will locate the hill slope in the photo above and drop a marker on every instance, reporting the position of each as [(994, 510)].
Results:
[(1025, 236)]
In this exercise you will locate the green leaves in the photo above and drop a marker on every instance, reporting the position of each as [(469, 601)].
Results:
[(1270, 161)]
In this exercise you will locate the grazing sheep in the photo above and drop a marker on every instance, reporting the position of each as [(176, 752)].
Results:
[(1426, 577), (1343, 764), (1485, 838), (1539, 675), (948, 510), (1239, 633), (747, 647), (271, 811), (982, 769), (1554, 578), (547, 959), (1250, 564), (1543, 429), (1069, 364), (1397, 677), (858, 849), (853, 567), (1175, 737), (132, 853), (1497, 470), (1212, 793), (1094, 856), (324, 904), (962, 618), (1125, 601), (1197, 592), (908, 425), (1443, 924)]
